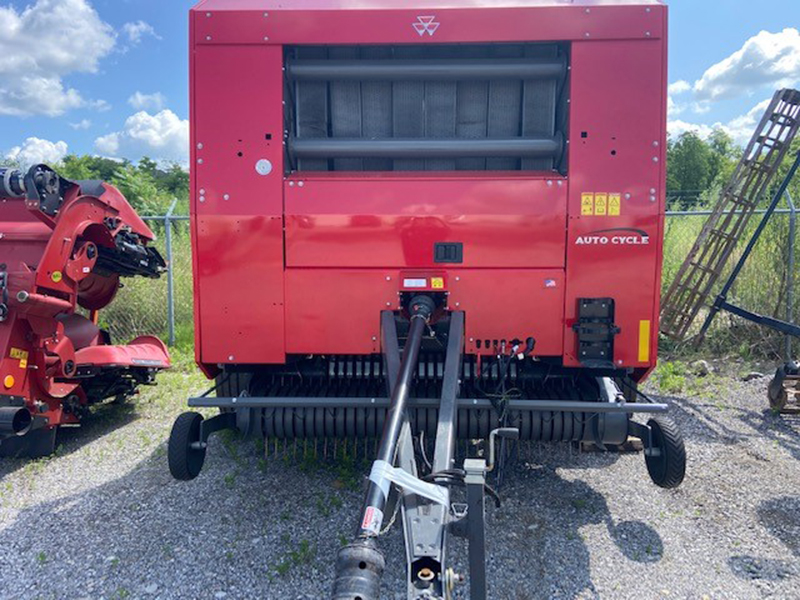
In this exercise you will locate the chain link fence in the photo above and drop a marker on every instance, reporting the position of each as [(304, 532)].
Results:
[(165, 308)]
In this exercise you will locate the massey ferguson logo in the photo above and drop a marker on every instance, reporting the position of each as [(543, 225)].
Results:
[(426, 25), (615, 237)]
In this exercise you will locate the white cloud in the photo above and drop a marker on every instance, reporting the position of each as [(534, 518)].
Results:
[(741, 128), (677, 128), (34, 150), (765, 59), (43, 43), (82, 124), (154, 102), (163, 136), (673, 108), (679, 87), (138, 30)]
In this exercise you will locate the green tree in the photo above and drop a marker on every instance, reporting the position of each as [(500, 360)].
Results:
[(689, 164)]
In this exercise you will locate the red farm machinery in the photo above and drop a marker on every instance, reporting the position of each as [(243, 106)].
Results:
[(434, 220), (63, 247)]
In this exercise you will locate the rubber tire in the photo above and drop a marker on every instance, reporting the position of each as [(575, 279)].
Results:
[(185, 462), (668, 469)]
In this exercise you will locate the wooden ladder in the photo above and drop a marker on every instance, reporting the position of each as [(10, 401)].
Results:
[(749, 183)]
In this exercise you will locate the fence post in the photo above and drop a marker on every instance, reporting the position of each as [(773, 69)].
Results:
[(790, 271), (170, 276)]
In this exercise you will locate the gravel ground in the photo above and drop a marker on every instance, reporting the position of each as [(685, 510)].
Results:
[(103, 518)]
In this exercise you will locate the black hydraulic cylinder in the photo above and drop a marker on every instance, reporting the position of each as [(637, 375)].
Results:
[(426, 148), (426, 70)]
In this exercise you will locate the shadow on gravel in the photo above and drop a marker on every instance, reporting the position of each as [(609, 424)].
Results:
[(783, 430), (540, 532), (781, 518), (104, 419), (700, 421)]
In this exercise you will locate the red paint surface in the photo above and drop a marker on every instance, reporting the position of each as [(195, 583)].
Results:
[(284, 268)]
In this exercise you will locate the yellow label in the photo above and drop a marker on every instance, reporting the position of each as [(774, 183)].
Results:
[(437, 283), (23, 364), (600, 205), (19, 354), (644, 341), (587, 204), (614, 205), (56, 276)]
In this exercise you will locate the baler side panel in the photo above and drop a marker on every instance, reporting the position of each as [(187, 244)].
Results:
[(238, 212), (618, 147)]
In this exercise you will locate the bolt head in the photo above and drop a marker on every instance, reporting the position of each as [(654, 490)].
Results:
[(226, 197), (230, 357), (199, 161)]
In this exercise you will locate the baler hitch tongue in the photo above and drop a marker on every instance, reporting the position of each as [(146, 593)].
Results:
[(360, 565)]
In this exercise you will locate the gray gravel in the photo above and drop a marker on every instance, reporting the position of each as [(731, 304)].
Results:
[(103, 519)]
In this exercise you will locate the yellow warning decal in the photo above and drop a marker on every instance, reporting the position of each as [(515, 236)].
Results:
[(437, 283), (57, 276), (614, 205), (21, 355), (600, 205), (644, 341), (587, 204)]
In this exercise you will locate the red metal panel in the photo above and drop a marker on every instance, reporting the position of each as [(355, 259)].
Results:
[(503, 304), (237, 212), (240, 283), (337, 311), (618, 147), (395, 221), (393, 23)]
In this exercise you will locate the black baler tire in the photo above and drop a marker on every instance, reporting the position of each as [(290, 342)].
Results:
[(185, 462), (668, 469)]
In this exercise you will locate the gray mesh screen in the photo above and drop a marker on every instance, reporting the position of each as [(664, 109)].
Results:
[(497, 108)]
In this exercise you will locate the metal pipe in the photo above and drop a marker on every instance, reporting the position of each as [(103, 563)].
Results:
[(376, 499), (15, 420), (426, 148), (790, 271), (426, 70), (566, 406), (170, 276)]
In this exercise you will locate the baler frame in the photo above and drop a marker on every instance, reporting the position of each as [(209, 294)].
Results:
[(428, 514)]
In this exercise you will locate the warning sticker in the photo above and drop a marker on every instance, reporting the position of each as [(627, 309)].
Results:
[(21, 355), (437, 283), (373, 519), (614, 205), (600, 205), (587, 204), (57, 276)]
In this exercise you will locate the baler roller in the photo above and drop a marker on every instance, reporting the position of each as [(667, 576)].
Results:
[(327, 148), (426, 70), (367, 423)]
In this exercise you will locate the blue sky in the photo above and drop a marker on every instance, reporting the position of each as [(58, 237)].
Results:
[(110, 76)]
